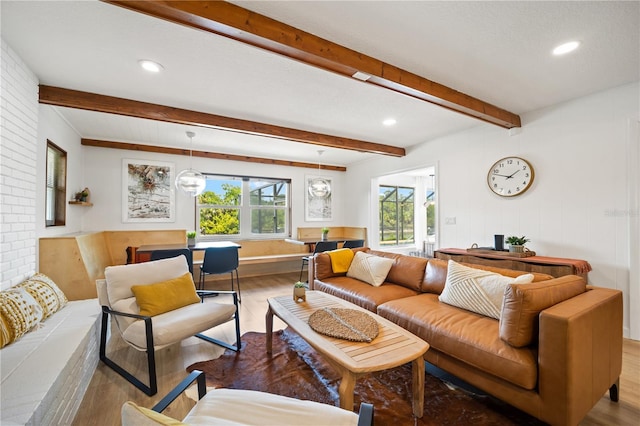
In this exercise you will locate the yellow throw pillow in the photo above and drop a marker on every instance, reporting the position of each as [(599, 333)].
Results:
[(134, 415), (341, 260), (19, 313), (158, 298)]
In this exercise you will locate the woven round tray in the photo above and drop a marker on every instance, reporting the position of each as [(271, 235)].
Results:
[(348, 324)]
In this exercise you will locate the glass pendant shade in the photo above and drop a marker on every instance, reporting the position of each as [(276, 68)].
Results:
[(191, 182), (319, 188)]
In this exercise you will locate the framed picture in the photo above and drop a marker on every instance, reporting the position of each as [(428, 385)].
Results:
[(148, 194), (317, 199)]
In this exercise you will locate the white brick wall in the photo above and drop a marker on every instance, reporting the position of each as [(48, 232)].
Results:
[(18, 147)]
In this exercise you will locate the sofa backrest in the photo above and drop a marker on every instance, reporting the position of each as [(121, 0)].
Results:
[(436, 274), (407, 271)]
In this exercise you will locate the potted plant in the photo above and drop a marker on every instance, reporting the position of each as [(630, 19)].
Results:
[(325, 233), (191, 238), (299, 292), (516, 244)]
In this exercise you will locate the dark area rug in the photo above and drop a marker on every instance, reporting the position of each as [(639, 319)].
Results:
[(295, 369)]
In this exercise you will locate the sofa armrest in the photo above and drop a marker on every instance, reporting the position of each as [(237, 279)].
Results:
[(580, 353), (196, 375)]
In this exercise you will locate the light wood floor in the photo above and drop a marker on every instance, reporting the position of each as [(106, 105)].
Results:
[(108, 391)]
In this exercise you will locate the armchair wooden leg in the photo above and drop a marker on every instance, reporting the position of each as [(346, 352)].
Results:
[(150, 390)]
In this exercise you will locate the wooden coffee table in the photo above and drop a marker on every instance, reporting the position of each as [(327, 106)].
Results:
[(393, 347)]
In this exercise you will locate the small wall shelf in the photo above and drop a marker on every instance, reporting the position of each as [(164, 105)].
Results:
[(81, 203)]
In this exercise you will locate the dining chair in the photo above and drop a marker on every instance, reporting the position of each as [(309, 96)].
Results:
[(353, 244), (167, 254), (220, 260), (319, 248)]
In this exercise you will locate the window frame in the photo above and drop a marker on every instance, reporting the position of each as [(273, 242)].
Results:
[(246, 208), (56, 193), (396, 190)]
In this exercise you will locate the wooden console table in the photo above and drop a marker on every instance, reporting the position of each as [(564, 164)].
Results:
[(554, 266)]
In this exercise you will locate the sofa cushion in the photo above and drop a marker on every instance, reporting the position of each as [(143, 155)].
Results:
[(46, 293), (341, 260), (369, 268), (436, 274), (407, 271), (476, 290), (361, 293), (466, 336), (523, 303), (19, 313), (165, 296)]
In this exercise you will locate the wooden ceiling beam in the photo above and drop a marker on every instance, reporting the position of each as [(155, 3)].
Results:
[(205, 154), (228, 20), (108, 104)]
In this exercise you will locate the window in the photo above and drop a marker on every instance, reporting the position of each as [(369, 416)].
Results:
[(224, 209), (56, 190), (396, 215)]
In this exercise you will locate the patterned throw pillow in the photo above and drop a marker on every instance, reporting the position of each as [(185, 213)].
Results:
[(370, 268), (46, 293), (476, 290), (19, 313)]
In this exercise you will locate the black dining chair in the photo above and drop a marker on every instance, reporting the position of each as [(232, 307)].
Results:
[(220, 260), (166, 254), (353, 244), (320, 247)]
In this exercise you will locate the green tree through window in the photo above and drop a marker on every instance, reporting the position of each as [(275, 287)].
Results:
[(222, 209)]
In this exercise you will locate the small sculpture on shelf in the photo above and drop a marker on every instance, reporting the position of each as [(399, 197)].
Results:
[(82, 196)]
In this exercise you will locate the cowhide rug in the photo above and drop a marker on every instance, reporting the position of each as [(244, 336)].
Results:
[(294, 369)]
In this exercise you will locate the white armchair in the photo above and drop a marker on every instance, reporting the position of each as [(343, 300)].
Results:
[(244, 407), (155, 304)]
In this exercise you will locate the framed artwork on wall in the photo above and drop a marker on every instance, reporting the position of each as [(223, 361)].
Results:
[(318, 204), (147, 191)]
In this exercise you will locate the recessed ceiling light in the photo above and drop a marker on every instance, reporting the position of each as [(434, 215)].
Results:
[(566, 48), (389, 122), (150, 65)]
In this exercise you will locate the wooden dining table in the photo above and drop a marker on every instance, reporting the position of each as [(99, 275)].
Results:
[(143, 253)]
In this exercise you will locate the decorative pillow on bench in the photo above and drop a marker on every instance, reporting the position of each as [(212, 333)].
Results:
[(23, 307), (477, 290)]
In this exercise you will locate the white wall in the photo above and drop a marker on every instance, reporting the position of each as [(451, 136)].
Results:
[(19, 96), (578, 206), (103, 176)]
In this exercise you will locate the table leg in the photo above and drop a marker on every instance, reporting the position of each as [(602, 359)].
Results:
[(269, 329), (345, 390), (417, 385)]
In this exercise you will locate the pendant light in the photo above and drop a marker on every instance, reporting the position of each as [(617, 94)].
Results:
[(319, 187), (190, 182)]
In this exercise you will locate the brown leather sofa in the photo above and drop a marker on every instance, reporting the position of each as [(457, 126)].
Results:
[(554, 353)]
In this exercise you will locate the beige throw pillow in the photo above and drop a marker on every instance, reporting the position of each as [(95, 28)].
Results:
[(476, 290), (369, 268)]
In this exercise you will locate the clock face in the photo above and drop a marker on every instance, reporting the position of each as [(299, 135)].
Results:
[(510, 176)]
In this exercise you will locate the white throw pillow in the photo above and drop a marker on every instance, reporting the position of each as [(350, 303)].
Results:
[(477, 290), (369, 268)]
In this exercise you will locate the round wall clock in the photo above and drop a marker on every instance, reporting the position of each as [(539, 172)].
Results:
[(510, 176)]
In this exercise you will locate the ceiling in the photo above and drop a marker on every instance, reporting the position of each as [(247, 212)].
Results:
[(498, 52)]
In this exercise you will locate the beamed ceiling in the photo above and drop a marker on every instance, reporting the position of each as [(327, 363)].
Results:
[(273, 82)]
